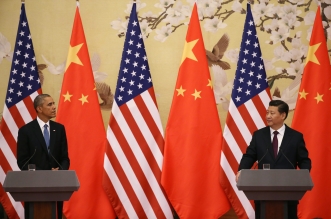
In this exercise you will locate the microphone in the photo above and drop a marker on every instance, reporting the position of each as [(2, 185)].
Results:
[(35, 149), (281, 150), (261, 158), (56, 160)]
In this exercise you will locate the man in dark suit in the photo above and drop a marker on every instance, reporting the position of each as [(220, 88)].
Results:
[(43, 142), (277, 145)]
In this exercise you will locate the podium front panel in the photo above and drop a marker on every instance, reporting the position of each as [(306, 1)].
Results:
[(274, 184), (41, 185)]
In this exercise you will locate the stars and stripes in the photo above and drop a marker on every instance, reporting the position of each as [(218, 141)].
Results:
[(250, 78), (133, 159), (249, 101), (23, 86)]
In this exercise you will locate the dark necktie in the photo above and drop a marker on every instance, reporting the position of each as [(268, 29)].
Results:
[(46, 135), (275, 143)]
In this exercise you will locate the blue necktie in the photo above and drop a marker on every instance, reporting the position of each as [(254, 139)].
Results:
[(46, 136)]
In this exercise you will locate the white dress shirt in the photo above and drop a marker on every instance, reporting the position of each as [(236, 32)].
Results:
[(280, 135)]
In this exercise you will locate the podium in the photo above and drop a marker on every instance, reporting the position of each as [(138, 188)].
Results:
[(274, 188), (42, 188)]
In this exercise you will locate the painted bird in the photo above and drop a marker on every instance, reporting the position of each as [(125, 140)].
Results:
[(214, 57)]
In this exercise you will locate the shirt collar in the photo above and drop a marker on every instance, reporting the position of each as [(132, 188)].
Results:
[(281, 130), (42, 123)]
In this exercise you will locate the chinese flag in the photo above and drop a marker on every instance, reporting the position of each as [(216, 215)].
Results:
[(312, 118), (191, 168), (79, 112)]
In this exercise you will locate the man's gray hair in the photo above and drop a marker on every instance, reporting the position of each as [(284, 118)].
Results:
[(39, 100)]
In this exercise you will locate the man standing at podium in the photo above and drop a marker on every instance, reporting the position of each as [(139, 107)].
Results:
[(43, 142), (277, 145)]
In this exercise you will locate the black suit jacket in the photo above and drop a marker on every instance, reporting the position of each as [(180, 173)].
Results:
[(31, 143), (292, 152)]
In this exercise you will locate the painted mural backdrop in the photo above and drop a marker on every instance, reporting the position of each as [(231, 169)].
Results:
[(284, 29)]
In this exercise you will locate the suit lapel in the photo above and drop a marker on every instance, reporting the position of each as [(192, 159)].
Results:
[(286, 138), (39, 134), (267, 141), (285, 141), (52, 130)]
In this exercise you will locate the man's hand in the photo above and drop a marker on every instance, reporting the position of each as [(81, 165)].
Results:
[(237, 176), (55, 168)]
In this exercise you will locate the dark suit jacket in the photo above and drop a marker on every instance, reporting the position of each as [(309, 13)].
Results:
[(292, 150), (31, 141)]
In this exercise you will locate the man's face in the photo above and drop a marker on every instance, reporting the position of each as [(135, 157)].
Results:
[(274, 119), (47, 110)]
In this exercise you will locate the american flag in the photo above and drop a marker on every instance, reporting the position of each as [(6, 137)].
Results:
[(23, 86), (134, 156), (249, 101)]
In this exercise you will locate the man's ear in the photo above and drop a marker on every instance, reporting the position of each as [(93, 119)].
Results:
[(39, 109)]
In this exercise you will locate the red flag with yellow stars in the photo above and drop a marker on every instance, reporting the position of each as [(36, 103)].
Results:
[(312, 118), (79, 112), (191, 167)]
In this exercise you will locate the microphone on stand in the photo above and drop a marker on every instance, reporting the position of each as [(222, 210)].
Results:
[(35, 149), (261, 158), (56, 160), (281, 150), (256, 162)]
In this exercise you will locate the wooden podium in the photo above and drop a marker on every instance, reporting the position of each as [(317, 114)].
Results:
[(274, 188), (42, 188)]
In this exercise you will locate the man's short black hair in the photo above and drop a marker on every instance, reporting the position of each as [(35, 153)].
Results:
[(39, 100), (281, 105)]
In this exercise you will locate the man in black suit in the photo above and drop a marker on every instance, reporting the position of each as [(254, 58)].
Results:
[(43, 142), (289, 151)]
